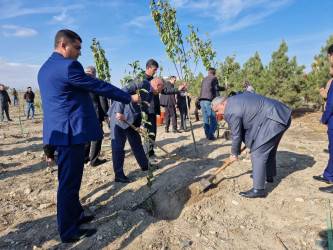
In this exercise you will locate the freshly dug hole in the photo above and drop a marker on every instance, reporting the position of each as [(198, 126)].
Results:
[(169, 205)]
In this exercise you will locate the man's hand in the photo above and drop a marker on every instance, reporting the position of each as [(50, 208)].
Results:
[(107, 119), (120, 117), (226, 87), (47, 159), (181, 87), (136, 98), (142, 129), (233, 158)]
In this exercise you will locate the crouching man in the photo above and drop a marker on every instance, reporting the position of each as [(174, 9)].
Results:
[(260, 123)]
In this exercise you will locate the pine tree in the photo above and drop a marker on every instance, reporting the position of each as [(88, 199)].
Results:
[(285, 79), (254, 71), (319, 75)]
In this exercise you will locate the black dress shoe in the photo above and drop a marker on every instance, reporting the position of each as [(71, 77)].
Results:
[(176, 131), (327, 189), (322, 178), (166, 130), (85, 219), (124, 179), (82, 233), (254, 193), (97, 162), (211, 138), (269, 179)]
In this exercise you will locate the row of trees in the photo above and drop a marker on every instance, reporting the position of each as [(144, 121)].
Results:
[(281, 79)]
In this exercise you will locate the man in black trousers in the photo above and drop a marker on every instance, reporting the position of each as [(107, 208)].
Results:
[(154, 107), (101, 107), (170, 104)]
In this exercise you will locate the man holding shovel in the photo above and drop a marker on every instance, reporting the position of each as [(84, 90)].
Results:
[(260, 123)]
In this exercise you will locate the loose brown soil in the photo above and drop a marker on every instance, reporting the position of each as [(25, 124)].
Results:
[(293, 213)]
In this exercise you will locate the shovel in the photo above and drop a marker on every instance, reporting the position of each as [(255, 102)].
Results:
[(172, 156), (209, 181)]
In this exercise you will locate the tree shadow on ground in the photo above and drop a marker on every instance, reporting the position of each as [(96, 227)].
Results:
[(24, 140), (26, 170), (299, 112)]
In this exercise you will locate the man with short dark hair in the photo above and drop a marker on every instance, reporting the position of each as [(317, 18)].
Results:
[(29, 97), (69, 122), (260, 123), (209, 89), (4, 100), (154, 108)]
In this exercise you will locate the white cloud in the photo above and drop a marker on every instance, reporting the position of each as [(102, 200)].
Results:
[(13, 30), (140, 22), (18, 75), (231, 15)]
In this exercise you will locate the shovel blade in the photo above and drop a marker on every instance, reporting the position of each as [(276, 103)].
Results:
[(175, 157), (205, 183)]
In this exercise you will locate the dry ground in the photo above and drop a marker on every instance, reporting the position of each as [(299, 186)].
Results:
[(293, 213)]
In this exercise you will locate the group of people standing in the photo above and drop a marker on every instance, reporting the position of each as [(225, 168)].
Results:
[(29, 97), (71, 122), (73, 113)]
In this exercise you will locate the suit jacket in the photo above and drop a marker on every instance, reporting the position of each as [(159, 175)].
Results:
[(328, 113), (101, 106), (181, 101), (254, 119), (168, 100), (69, 115), (130, 111)]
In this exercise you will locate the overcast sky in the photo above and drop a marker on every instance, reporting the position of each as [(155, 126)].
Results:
[(127, 32)]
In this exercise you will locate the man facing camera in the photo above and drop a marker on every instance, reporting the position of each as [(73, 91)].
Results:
[(69, 122)]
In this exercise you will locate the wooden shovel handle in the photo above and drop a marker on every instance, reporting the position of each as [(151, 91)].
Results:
[(226, 164), (152, 141)]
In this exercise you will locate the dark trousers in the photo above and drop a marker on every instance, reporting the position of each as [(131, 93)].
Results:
[(4, 107), (152, 129), (170, 113), (196, 113), (70, 170), (264, 160), (328, 173), (118, 152), (183, 114), (95, 150)]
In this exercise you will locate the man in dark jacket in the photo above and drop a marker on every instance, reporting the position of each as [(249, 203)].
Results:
[(4, 100), (101, 107), (170, 104), (29, 97), (154, 108), (209, 89), (260, 123), (181, 103)]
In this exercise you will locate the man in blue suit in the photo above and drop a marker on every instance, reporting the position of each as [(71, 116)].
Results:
[(69, 122), (260, 123), (120, 131), (327, 119)]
